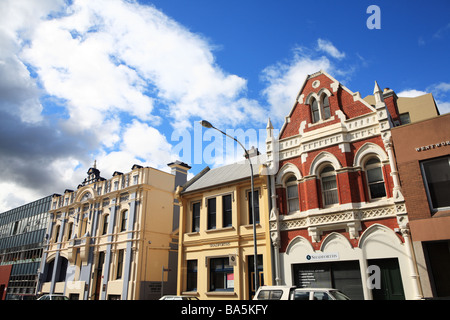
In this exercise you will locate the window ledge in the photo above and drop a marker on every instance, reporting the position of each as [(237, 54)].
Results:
[(190, 293), (219, 230), (250, 226), (221, 293)]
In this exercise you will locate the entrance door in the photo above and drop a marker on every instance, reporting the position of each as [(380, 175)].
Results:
[(391, 286), (251, 273), (98, 283)]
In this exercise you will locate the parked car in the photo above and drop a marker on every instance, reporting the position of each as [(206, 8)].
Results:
[(59, 297), (178, 298), (294, 293), (22, 297)]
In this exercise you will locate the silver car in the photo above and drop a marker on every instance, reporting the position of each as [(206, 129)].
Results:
[(293, 293), (59, 297)]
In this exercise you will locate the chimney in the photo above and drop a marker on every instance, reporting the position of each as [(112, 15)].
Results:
[(253, 152)]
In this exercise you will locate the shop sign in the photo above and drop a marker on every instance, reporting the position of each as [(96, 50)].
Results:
[(433, 146), (322, 256)]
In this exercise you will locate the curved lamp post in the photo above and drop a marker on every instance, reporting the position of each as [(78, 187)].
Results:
[(206, 124)]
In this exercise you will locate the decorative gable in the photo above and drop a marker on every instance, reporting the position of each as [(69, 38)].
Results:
[(322, 101)]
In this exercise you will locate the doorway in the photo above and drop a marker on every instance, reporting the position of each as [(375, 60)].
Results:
[(391, 286), (99, 271), (251, 273)]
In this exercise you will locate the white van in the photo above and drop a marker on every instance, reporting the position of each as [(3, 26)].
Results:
[(294, 293)]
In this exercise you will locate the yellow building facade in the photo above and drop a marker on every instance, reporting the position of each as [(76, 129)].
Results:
[(114, 238), (216, 242)]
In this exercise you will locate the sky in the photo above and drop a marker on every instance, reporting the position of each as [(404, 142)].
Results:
[(124, 82)]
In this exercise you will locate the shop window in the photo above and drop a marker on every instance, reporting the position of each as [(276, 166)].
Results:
[(227, 211), (436, 176), (329, 186), (292, 194), (221, 274), (211, 213), (191, 276), (196, 217), (375, 179)]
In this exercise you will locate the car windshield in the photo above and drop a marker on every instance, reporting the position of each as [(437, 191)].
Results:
[(339, 295)]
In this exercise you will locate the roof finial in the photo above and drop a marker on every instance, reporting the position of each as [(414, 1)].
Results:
[(95, 164), (378, 94)]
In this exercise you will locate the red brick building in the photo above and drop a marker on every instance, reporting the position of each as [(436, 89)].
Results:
[(339, 217), (424, 168)]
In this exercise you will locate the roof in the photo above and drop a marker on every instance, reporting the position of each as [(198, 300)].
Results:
[(222, 175)]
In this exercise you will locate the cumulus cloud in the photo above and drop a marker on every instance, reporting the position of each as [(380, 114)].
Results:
[(83, 80), (328, 47), (284, 80)]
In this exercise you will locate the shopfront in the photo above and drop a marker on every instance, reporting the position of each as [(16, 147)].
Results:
[(377, 268)]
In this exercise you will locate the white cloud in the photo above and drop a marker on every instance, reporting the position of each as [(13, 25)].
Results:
[(116, 68), (411, 93), (440, 91), (141, 144), (284, 80), (328, 47)]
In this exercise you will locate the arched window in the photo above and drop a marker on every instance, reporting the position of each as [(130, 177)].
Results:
[(326, 107), (329, 186), (292, 194), (375, 179), (105, 224), (315, 111)]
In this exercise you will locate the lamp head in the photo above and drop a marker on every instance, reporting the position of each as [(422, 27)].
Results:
[(206, 124)]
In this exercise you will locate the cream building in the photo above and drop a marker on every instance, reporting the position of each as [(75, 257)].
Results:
[(216, 247), (114, 238)]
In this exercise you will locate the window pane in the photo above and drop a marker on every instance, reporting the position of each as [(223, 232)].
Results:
[(326, 108), (315, 111), (196, 217), (437, 176), (329, 183), (256, 200), (212, 213), (293, 205), (377, 190), (374, 175), (329, 186), (227, 213), (292, 192)]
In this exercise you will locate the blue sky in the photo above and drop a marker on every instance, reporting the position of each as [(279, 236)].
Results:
[(125, 82)]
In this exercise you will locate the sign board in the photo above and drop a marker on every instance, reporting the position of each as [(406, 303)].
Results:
[(322, 256)]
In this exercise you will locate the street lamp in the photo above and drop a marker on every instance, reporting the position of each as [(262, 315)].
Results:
[(208, 125)]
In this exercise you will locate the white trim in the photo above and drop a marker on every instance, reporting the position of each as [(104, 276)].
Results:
[(320, 159)]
